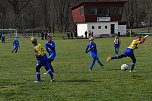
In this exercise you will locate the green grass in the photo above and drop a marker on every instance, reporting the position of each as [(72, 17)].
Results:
[(74, 81)]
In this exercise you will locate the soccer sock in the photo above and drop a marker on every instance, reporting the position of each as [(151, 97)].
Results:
[(51, 74), (92, 64), (51, 67), (38, 76), (99, 62), (114, 57), (116, 50), (132, 66)]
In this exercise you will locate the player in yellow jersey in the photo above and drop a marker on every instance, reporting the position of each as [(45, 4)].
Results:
[(42, 60), (129, 51), (116, 44)]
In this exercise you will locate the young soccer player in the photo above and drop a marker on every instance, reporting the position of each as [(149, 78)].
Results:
[(116, 44), (130, 51), (91, 47), (16, 45), (42, 60), (3, 38), (50, 48)]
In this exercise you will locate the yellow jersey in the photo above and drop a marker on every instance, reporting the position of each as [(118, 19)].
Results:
[(39, 50), (116, 41), (134, 44)]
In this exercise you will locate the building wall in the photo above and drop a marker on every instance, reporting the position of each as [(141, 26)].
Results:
[(76, 15), (99, 29), (81, 28), (122, 29), (93, 17)]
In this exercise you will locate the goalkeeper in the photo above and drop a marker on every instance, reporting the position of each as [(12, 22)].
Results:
[(130, 51), (91, 47)]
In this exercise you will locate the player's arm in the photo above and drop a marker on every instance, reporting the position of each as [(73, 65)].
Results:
[(37, 54), (90, 48), (119, 41), (143, 39), (46, 47), (18, 44), (87, 48)]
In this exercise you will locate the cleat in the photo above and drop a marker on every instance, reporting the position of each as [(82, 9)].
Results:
[(102, 65), (52, 80), (131, 71), (52, 71), (90, 69), (108, 59), (45, 73), (36, 81)]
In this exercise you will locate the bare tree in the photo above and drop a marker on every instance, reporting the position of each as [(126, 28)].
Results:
[(18, 6)]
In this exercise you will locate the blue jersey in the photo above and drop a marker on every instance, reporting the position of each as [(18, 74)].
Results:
[(50, 47), (16, 43), (93, 49)]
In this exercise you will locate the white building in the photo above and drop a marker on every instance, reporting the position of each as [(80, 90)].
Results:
[(101, 18)]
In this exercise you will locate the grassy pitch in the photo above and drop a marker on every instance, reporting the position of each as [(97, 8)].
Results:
[(74, 81)]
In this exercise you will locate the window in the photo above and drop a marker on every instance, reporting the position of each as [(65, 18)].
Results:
[(106, 27), (103, 11), (91, 11), (93, 27), (99, 27), (116, 10), (82, 11)]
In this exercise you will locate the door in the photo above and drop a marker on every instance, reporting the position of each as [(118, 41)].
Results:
[(112, 28)]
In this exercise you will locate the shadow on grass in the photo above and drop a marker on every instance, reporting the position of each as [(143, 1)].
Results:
[(136, 76), (114, 69), (79, 81)]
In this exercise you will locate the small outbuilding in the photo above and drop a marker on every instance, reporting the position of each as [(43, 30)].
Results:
[(99, 18)]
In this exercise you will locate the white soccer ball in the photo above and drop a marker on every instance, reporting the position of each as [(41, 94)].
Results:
[(124, 67)]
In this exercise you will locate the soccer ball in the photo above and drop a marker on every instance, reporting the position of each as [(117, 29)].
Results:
[(124, 67)]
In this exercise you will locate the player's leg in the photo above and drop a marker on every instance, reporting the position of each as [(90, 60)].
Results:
[(93, 62), (116, 57), (50, 59), (124, 54), (16, 49), (50, 73), (116, 50), (47, 67), (51, 67), (133, 62), (13, 50), (99, 62), (38, 77)]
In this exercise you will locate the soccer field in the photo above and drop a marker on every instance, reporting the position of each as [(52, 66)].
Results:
[(74, 81)]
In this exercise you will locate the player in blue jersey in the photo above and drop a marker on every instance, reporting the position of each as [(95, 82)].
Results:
[(116, 44), (3, 38), (50, 48), (42, 60), (91, 47), (16, 45), (129, 52)]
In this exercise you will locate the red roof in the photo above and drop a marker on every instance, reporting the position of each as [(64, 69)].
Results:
[(98, 3)]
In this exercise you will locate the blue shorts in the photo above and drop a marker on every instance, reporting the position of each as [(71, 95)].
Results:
[(15, 46), (129, 52), (43, 61), (93, 54), (52, 56), (116, 45)]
